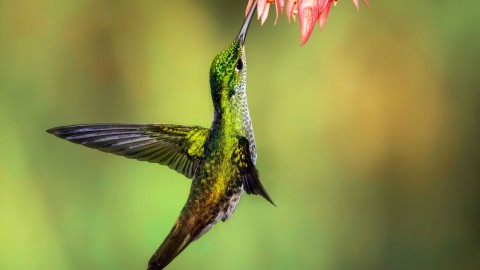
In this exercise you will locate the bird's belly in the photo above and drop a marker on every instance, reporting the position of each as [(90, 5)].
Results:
[(226, 210), (232, 204)]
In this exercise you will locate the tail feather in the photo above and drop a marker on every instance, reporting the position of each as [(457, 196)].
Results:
[(177, 240)]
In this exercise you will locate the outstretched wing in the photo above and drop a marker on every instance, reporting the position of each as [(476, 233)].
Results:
[(248, 172), (179, 147)]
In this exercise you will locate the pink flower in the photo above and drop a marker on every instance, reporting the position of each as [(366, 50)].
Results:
[(308, 11)]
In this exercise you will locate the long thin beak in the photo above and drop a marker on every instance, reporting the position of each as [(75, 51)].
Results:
[(243, 31)]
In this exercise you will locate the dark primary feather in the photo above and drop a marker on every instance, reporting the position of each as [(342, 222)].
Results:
[(179, 147), (248, 172)]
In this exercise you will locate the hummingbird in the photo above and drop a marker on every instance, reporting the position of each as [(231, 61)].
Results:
[(220, 160)]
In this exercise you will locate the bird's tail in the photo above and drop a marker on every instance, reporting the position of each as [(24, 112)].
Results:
[(181, 235)]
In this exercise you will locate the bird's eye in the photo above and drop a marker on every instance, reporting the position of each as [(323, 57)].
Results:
[(239, 65)]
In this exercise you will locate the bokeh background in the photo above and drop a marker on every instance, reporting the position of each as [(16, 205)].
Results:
[(368, 136)]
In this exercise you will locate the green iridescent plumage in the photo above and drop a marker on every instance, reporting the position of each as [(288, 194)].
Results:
[(220, 160)]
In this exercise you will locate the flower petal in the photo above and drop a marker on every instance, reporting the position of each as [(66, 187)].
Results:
[(307, 16), (266, 9), (279, 8), (321, 5), (356, 4), (291, 7), (324, 15), (260, 6)]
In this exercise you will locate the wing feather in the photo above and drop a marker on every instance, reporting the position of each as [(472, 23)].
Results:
[(177, 146), (248, 172)]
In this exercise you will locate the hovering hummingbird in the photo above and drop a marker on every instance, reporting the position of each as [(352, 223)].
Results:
[(220, 160)]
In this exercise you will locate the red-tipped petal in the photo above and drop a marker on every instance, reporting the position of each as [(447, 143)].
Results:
[(279, 8), (307, 16), (266, 9), (321, 5), (291, 6), (324, 15), (356, 4)]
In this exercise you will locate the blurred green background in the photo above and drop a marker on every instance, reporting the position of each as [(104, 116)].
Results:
[(368, 136)]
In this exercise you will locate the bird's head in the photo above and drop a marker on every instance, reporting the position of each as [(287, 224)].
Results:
[(228, 71)]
